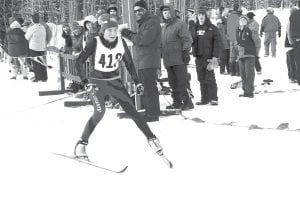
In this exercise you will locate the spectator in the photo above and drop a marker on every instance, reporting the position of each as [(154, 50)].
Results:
[(247, 42), (147, 41), (36, 35), (232, 25), (295, 38), (90, 29), (290, 58), (77, 38), (254, 26), (224, 57), (112, 9), (270, 25), (176, 45), (17, 47), (68, 39), (206, 48)]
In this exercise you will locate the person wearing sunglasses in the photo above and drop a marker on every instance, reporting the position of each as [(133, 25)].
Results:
[(147, 41)]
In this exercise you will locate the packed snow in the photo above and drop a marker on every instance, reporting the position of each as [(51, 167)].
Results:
[(220, 166)]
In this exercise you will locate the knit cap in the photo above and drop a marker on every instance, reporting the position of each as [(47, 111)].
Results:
[(107, 21), (142, 4)]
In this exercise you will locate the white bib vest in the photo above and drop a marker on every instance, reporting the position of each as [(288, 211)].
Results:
[(108, 60)]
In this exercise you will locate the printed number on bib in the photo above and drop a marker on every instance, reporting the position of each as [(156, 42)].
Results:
[(110, 60)]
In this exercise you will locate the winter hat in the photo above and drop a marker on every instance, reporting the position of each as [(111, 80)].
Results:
[(107, 21), (270, 10), (250, 15), (191, 10), (112, 7), (164, 8), (15, 24), (74, 26), (36, 18), (201, 9), (142, 4), (244, 17), (90, 19)]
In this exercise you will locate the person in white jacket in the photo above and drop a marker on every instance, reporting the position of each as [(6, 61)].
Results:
[(36, 36)]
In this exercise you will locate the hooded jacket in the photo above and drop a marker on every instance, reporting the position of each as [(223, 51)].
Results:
[(176, 38), (17, 44), (206, 40)]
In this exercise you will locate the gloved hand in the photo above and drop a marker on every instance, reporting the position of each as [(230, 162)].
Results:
[(186, 56), (279, 34), (139, 89), (84, 82), (89, 87), (213, 63), (127, 33), (261, 34)]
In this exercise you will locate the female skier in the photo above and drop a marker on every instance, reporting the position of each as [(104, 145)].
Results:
[(108, 49)]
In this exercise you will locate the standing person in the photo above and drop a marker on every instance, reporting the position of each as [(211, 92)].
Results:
[(295, 38), (270, 24), (36, 35), (247, 41), (176, 45), (224, 58), (109, 50), (17, 47), (232, 25), (206, 48), (290, 57), (89, 27), (66, 34), (254, 26), (147, 41)]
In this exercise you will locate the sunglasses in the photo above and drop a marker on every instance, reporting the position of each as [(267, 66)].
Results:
[(138, 10)]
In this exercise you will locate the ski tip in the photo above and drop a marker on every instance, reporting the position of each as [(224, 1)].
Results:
[(123, 170)]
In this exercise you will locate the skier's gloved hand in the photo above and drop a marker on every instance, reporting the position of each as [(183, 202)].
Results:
[(89, 87), (186, 56), (127, 33), (139, 89), (84, 82)]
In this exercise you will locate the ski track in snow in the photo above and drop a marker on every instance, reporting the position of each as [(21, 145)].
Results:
[(218, 169)]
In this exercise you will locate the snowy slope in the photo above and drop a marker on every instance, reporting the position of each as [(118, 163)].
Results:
[(218, 169)]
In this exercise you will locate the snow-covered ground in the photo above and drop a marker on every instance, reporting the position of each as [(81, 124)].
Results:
[(218, 169)]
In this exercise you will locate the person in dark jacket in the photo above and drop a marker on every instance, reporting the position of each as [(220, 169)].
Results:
[(17, 48), (247, 41), (109, 50), (290, 57), (270, 24), (295, 38), (207, 46), (176, 45), (68, 40), (147, 41)]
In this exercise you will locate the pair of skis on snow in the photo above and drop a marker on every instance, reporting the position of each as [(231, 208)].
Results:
[(88, 162)]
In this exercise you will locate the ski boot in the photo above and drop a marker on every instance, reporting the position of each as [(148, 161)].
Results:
[(80, 150), (158, 149)]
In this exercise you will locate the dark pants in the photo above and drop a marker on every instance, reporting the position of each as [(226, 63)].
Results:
[(116, 89), (247, 74), (296, 49), (224, 61), (291, 64), (39, 70), (150, 98), (178, 81), (208, 84), (270, 39)]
